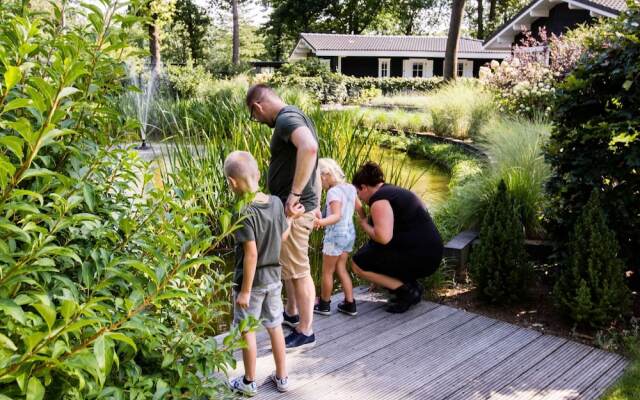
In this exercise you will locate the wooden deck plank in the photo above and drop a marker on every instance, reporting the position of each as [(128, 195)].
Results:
[(506, 371), (465, 372), (578, 377), (385, 375), (309, 371), (435, 352), (600, 385), (543, 373)]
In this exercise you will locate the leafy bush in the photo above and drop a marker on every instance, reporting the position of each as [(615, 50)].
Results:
[(397, 119), (498, 264), (596, 137), (460, 109), (189, 80), (329, 87), (307, 67), (591, 289), (107, 283)]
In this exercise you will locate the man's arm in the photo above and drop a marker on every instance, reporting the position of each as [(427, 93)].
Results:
[(307, 151), (249, 271)]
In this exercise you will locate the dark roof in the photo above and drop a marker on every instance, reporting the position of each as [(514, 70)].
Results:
[(611, 6), (337, 42)]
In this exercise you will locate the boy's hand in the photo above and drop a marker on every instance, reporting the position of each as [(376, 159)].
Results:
[(317, 223), (243, 299), (297, 211)]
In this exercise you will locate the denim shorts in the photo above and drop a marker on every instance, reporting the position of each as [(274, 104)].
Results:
[(265, 304), (336, 245)]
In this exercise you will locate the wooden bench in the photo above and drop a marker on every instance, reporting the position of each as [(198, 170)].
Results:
[(456, 251)]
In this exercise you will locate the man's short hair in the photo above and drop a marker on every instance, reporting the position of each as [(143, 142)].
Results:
[(258, 92), (241, 165)]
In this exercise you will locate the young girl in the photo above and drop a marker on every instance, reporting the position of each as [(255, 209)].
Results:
[(339, 236)]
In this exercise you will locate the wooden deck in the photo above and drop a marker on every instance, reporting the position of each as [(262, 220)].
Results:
[(435, 352)]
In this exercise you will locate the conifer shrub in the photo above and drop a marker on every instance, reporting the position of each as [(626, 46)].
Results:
[(591, 288), (498, 264)]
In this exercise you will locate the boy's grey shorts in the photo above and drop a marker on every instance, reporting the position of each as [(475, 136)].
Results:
[(265, 304)]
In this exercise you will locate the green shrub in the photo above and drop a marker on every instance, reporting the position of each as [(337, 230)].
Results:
[(329, 87), (591, 289), (596, 137), (189, 80), (498, 264), (107, 283), (460, 109)]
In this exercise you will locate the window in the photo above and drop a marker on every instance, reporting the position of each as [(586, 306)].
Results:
[(460, 69), (465, 68), (384, 68), (418, 70)]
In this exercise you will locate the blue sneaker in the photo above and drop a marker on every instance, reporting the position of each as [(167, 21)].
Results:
[(298, 340), (290, 320)]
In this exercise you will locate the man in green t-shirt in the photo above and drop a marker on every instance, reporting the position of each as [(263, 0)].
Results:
[(292, 178)]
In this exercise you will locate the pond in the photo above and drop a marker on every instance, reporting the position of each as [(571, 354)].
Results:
[(428, 181)]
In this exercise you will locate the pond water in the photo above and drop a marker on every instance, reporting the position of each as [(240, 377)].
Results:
[(428, 181)]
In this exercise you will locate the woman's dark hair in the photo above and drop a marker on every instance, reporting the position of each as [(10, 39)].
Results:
[(368, 174)]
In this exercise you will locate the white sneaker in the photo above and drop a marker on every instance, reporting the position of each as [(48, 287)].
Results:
[(238, 385), (282, 384)]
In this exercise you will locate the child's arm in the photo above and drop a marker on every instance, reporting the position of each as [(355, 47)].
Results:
[(249, 271), (336, 214)]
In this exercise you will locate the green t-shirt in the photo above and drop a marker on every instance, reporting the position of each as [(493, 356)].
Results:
[(282, 166), (264, 223)]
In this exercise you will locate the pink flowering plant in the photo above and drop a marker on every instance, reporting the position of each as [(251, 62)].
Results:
[(524, 85)]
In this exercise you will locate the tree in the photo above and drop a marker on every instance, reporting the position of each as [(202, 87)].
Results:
[(189, 27), (498, 264), (451, 52), (591, 288)]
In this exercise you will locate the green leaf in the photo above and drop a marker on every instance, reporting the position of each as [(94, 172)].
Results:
[(14, 144), (89, 196), (21, 192), (143, 268), (122, 338), (16, 104), (35, 390), (36, 172), (99, 350), (46, 309), (22, 235), (68, 91), (627, 85), (7, 343), (13, 310), (168, 359), (23, 127), (12, 76)]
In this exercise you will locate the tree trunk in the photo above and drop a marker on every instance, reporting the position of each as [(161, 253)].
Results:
[(154, 44), (480, 19), (235, 57), (451, 53)]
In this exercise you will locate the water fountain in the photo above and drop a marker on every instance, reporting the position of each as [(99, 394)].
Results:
[(142, 101)]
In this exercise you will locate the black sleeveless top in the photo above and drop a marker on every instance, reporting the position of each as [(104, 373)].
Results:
[(414, 232)]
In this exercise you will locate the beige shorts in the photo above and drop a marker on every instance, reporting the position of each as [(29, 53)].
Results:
[(294, 254)]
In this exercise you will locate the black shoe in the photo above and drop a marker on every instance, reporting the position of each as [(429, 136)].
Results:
[(407, 295), (290, 320), (298, 340), (323, 307), (348, 308)]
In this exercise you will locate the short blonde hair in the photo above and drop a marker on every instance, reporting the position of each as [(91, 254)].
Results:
[(330, 166), (242, 165)]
